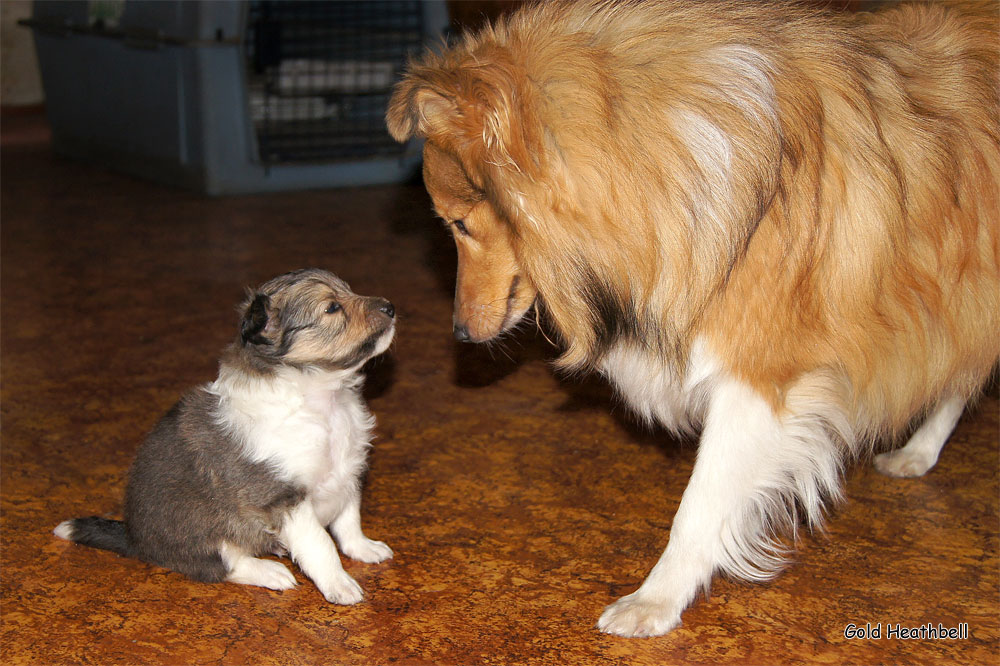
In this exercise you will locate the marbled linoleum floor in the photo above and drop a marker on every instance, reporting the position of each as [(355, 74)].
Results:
[(518, 504)]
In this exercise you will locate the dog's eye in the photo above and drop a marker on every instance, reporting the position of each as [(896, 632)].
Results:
[(460, 225), (333, 307)]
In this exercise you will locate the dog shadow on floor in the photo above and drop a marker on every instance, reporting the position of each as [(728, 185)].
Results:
[(478, 366), (591, 392)]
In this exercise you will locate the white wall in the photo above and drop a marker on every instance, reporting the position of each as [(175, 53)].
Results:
[(20, 82)]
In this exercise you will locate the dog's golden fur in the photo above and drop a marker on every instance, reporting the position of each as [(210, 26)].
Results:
[(812, 196)]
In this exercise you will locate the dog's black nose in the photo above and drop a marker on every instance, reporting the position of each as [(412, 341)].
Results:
[(387, 309), (461, 333)]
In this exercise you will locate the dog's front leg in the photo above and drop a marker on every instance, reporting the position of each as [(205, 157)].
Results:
[(313, 550), (346, 528), (718, 523)]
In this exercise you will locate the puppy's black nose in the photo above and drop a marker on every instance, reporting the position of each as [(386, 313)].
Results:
[(387, 309), (461, 333)]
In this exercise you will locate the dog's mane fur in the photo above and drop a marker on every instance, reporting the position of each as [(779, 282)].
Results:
[(699, 179)]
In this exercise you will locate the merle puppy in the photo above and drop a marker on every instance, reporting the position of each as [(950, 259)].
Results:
[(267, 458)]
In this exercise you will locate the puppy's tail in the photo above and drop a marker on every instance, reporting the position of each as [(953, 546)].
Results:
[(97, 532)]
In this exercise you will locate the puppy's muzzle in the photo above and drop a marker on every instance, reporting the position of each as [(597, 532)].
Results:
[(387, 309)]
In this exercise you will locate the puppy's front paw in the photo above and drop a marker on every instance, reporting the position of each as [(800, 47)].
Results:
[(341, 589), (634, 615), (367, 550), (904, 463)]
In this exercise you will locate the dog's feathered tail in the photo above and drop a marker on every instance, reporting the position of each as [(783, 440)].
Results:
[(97, 532)]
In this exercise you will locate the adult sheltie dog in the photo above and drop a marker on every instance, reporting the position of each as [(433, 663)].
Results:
[(773, 224)]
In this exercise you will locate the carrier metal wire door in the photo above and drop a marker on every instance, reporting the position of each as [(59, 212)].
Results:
[(321, 74)]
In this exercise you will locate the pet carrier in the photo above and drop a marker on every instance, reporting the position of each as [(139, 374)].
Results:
[(229, 96)]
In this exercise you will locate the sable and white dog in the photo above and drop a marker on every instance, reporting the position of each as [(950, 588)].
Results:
[(775, 224), (269, 456)]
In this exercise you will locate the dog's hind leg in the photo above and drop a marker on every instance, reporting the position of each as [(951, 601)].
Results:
[(924, 447), (313, 550), (750, 472)]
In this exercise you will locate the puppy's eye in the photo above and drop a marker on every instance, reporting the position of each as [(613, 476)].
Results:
[(460, 225), (333, 307)]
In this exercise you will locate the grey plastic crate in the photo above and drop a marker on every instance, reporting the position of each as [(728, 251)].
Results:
[(190, 93)]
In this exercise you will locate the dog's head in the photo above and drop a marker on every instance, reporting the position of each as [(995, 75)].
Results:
[(492, 293), (617, 179), (464, 135), (311, 319)]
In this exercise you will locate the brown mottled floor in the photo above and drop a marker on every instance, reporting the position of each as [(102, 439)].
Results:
[(518, 505)]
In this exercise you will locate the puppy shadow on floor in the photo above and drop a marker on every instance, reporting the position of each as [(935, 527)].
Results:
[(380, 374)]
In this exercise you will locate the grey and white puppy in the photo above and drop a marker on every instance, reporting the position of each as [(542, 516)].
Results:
[(269, 456)]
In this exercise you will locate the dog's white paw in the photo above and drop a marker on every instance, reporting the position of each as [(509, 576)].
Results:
[(905, 463), (262, 573), (341, 589), (634, 615), (366, 550)]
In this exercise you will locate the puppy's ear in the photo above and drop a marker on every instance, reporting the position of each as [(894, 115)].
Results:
[(255, 318)]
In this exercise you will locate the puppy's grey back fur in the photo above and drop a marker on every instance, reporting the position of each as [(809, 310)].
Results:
[(191, 488)]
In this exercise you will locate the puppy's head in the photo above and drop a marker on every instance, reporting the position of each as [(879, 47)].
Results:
[(311, 319)]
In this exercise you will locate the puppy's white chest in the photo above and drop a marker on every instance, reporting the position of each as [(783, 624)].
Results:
[(315, 437), (341, 458), (332, 441)]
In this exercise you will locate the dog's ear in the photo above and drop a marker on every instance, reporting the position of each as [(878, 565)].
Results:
[(255, 318), (417, 108), (483, 111)]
